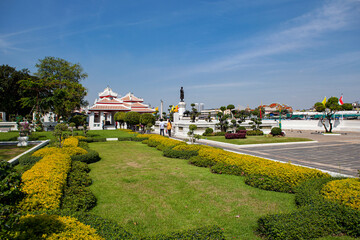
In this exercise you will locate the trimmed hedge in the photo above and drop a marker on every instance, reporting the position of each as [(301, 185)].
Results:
[(201, 162), (254, 133), (90, 157), (171, 153), (316, 217), (221, 168), (235, 135), (91, 139), (202, 233), (28, 160), (268, 183), (77, 197)]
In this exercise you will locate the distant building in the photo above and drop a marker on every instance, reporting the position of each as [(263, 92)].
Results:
[(274, 108), (101, 114)]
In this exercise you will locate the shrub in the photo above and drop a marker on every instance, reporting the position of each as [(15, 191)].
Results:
[(70, 142), (219, 134), (54, 227), (44, 182), (316, 217), (156, 140), (76, 196), (171, 153), (268, 183), (65, 150), (201, 162), (10, 183), (222, 168), (106, 228), (90, 157), (276, 131), (344, 191), (91, 139), (235, 135), (202, 233), (288, 174), (240, 128), (208, 132), (254, 133)]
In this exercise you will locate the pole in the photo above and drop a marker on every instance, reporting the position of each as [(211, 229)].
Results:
[(161, 109), (280, 118)]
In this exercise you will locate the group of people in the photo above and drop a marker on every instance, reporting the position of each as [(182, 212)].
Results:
[(166, 125)]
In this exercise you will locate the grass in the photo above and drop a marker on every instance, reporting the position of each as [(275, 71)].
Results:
[(12, 136), (148, 193), (8, 152), (256, 139)]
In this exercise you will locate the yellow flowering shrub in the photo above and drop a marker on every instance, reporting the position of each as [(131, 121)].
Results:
[(53, 227), (155, 140), (190, 147), (143, 135), (285, 172), (344, 191), (44, 182), (66, 150), (80, 138), (70, 142)]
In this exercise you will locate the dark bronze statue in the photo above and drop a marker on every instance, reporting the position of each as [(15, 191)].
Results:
[(182, 94)]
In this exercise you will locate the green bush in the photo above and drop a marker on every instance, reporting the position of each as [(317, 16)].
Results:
[(10, 196), (220, 134), (91, 139), (201, 162), (77, 197), (316, 217), (276, 131), (171, 153), (267, 183), (90, 157), (221, 168), (83, 144), (241, 128), (108, 229), (254, 133), (202, 233), (208, 132)]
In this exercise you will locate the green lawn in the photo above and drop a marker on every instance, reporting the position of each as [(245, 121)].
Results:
[(9, 152), (256, 139), (148, 193), (12, 136)]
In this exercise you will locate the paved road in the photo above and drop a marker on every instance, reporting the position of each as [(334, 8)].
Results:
[(338, 154)]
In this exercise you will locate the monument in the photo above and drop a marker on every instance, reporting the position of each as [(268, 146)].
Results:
[(182, 104)]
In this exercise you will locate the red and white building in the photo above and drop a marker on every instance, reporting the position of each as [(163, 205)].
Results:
[(101, 114)]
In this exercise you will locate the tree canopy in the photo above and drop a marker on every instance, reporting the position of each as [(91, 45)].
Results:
[(329, 109), (11, 92), (57, 87)]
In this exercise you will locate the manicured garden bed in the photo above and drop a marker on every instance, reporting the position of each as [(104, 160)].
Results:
[(255, 139), (147, 193)]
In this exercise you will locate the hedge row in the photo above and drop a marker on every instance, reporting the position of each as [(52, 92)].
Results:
[(316, 217), (44, 182), (77, 196), (51, 227)]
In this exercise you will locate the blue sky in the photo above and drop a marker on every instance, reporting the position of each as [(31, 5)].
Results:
[(237, 52)]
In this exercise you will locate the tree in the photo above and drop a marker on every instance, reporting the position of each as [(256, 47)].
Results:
[(256, 123), (231, 107), (132, 118), (347, 107), (242, 115), (223, 123), (57, 87), (194, 113), (191, 133), (60, 132), (78, 120), (120, 118), (11, 92), (329, 109), (146, 119)]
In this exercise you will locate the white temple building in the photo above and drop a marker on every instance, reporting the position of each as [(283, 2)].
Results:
[(101, 114)]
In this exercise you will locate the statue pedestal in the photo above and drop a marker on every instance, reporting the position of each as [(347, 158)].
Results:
[(182, 106), (23, 141)]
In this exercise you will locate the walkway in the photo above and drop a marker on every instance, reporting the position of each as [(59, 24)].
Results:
[(337, 154)]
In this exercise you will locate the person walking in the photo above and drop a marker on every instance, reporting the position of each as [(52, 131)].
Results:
[(162, 127), (168, 127)]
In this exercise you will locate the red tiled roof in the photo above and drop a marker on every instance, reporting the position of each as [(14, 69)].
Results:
[(108, 101), (131, 98), (107, 107), (143, 110), (138, 105)]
